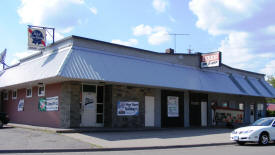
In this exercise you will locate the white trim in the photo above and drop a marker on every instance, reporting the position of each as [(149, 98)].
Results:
[(27, 92), (14, 98), (44, 90)]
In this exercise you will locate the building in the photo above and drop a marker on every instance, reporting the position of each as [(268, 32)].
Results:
[(80, 82)]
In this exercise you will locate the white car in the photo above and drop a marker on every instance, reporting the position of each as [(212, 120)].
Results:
[(262, 131)]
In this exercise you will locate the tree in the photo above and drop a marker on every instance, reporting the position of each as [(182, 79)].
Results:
[(271, 80)]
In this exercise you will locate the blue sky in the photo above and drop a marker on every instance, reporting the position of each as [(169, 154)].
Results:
[(243, 30)]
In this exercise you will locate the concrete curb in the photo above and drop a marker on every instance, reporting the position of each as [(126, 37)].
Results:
[(112, 149)]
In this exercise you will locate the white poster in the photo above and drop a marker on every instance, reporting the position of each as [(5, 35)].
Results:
[(173, 106), (127, 108), (52, 103), (20, 106)]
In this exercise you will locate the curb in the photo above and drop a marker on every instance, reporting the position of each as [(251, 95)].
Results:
[(112, 149)]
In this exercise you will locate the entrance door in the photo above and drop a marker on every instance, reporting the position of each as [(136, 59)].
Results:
[(149, 111), (195, 114), (198, 109), (172, 112), (252, 114), (92, 106)]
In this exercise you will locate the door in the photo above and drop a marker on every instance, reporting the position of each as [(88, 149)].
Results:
[(88, 109), (195, 113), (149, 111), (92, 106), (172, 108), (252, 113)]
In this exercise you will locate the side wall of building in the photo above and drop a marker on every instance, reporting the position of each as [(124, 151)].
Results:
[(31, 115)]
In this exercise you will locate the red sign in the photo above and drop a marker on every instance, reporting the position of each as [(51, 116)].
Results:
[(211, 59)]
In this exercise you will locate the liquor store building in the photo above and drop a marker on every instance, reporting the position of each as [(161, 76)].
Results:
[(81, 82)]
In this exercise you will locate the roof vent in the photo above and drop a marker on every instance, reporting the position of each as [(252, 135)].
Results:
[(169, 51)]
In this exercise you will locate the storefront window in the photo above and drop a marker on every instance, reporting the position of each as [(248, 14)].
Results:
[(5, 95), (29, 92), (41, 91)]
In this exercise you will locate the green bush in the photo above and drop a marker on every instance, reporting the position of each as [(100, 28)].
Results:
[(270, 113)]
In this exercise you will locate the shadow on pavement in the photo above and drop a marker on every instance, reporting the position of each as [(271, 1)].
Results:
[(160, 134), (109, 149)]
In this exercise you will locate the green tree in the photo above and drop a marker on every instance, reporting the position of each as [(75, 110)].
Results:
[(271, 80)]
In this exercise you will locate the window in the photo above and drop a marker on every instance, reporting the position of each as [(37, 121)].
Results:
[(29, 92), (41, 90), (5, 95), (14, 94), (260, 110), (241, 106)]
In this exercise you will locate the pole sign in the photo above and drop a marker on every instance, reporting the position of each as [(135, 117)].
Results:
[(211, 59), (36, 38)]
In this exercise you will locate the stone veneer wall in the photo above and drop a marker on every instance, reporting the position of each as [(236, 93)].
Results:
[(128, 93), (70, 104)]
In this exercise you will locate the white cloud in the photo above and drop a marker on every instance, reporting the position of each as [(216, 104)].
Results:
[(156, 35), (142, 30), (246, 26), (160, 5), (93, 10), (130, 42), (269, 68), (64, 15), (159, 36)]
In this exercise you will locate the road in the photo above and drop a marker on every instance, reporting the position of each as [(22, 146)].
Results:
[(24, 141)]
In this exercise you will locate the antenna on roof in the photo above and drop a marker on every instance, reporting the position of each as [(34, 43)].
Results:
[(175, 38), (2, 58)]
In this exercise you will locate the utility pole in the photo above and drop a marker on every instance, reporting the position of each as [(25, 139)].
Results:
[(175, 38)]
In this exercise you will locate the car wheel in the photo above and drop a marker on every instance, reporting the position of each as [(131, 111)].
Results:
[(1, 124), (240, 143), (264, 139)]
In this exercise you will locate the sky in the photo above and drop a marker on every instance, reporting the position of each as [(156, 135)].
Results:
[(243, 30)]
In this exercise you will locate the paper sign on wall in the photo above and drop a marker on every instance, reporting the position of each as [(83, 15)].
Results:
[(173, 106), (48, 104), (127, 108), (20, 106)]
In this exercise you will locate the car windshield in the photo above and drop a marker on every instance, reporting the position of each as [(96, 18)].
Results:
[(263, 122)]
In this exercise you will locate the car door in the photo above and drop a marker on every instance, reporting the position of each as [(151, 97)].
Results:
[(272, 131)]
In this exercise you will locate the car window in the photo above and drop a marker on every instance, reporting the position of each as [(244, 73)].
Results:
[(263, 122)]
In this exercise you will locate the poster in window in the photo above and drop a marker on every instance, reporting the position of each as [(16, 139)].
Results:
[(127, 108), (20, 106), (173, 106)]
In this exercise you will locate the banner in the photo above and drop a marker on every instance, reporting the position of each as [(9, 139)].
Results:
[(52, 103), (36, 38), (211, 59), (127, 108), (20, 106), (48, 104), (173, 106)]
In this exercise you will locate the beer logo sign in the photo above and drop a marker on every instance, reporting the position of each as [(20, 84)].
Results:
[(36, 38), (211, 59)]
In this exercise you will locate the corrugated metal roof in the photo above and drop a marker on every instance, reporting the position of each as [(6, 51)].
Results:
[(245, 85), (103, 66), (259, 87), (43, 67), (90, 64)]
